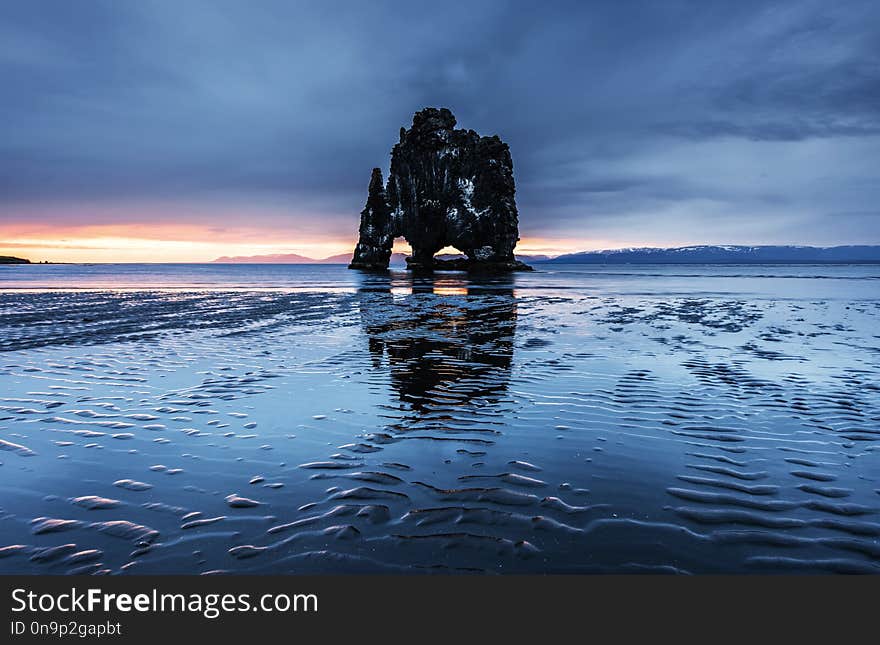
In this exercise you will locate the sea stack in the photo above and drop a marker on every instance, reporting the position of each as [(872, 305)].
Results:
[(447, 187)]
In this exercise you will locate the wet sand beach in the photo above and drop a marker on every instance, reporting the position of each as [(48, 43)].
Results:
[(307, 419)]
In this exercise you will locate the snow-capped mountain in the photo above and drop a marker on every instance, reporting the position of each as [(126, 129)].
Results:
[(728, 254)]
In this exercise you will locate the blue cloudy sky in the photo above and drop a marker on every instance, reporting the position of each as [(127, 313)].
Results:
[(171, 130)]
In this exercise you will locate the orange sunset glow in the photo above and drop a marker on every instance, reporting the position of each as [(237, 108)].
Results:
[(180, 242)]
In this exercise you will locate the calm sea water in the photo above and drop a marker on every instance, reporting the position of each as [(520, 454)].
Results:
[(307, 418), (771, 280)]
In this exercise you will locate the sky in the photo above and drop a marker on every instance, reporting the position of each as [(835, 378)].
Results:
[(183, 131)]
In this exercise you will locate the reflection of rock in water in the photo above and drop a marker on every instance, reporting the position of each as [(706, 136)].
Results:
[(446, 343)]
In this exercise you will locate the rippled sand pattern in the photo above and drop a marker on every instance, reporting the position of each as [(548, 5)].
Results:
[(437, 426)]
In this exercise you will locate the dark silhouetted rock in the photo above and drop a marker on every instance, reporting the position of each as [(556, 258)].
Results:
[(377, 230), (447, 187), (8, 259)]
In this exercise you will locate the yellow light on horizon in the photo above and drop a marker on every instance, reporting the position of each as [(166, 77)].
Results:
[(188, 243), (126, 249)]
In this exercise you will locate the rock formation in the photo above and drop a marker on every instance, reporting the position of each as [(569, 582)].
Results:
[(377, 230), (447, 187)]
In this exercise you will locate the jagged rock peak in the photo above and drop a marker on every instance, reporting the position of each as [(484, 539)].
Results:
[(447, 187), (430, 127), (376, 230)]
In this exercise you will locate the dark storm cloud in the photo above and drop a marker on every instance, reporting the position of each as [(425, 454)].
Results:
[(664, 118)]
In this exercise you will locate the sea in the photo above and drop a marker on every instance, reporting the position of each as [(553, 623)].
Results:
[(301, 419)]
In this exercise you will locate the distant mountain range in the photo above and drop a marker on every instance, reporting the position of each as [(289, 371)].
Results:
[(727, 255), (292, 258), (283, 258), (343, 258)]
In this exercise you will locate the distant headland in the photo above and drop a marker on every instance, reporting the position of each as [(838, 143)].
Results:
[(8, 259)]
